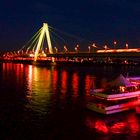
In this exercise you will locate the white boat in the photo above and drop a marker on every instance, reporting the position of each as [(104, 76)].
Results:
[(134, 80), (118, 96)]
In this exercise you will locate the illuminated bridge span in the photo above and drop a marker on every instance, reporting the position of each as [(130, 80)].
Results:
[(37, 48)]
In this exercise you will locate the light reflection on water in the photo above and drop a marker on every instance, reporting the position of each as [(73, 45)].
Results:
[(53, 100), (122, 124)]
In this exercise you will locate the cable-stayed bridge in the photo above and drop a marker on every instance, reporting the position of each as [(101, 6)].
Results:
[(47, 45)]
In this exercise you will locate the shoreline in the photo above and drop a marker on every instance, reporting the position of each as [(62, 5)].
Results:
[(66, 63)]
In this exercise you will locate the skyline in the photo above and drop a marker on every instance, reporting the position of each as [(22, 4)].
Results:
[(97, 21)]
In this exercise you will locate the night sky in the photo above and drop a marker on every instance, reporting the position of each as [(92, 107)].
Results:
[(99, 21)]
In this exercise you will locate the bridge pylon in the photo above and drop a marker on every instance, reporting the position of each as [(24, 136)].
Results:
[(44, 31)]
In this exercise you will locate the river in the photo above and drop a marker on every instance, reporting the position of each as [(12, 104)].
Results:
[(49, 103)]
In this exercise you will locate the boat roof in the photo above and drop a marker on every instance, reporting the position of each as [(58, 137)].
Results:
[(121, 81)]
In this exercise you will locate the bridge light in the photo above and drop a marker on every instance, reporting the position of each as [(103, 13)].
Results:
[(105, 47), (126, 45), (77, 46), (76, 49), (46, 50), (115, 43), (89, 49), (94, 45), (56, 49), (65, 49), (31, 55)]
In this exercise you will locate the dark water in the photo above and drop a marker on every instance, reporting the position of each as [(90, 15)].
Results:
[(50, 103)]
